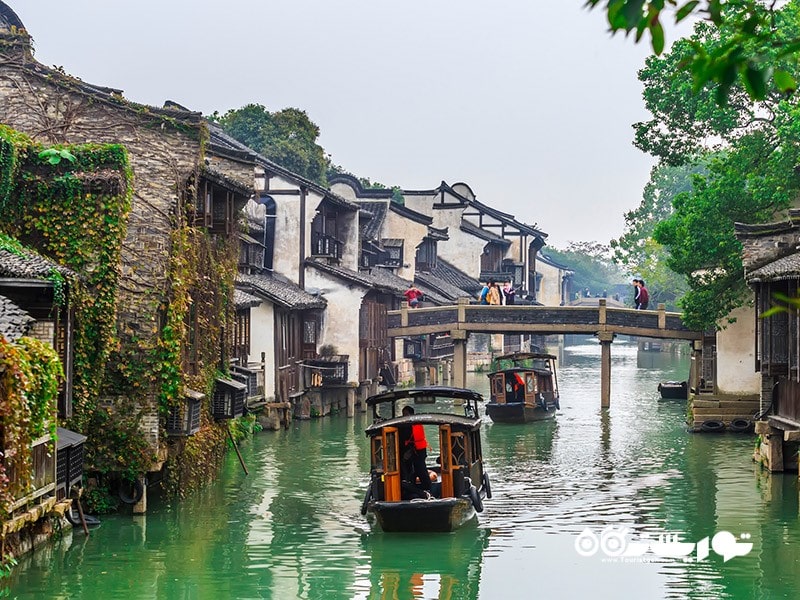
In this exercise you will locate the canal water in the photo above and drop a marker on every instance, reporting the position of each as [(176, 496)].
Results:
[(617, 504)]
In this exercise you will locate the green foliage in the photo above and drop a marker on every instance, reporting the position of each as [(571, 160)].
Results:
[(7, 564), (759, 37), (592, 266), (719, 165), (30, 373), (636, 250), (55, 155), (287, 137)]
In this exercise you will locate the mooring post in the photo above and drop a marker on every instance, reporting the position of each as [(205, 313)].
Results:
[(696, 366), (459, 337), (605, 337)]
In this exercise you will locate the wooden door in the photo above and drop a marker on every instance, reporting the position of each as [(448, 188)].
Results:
[(391, 464), (446, 458)]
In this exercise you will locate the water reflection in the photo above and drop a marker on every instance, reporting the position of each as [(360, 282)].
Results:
[(292, 529), (446, 566)]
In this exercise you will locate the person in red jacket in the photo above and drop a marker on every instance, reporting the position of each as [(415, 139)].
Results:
[(419, 447), (644, 296)]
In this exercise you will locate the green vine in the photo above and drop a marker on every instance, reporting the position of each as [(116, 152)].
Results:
[(30, 374)]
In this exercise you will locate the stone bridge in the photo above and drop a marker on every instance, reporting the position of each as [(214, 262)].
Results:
[(603, 321)]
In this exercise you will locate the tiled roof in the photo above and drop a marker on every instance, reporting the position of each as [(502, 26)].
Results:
[(222, 142), (342, 273), (447, 291), (371, 227), (14, 322), (386, 279), (784, 268), (242, 299), (28, 264), (483, 234), (431, 294), (450, 274), (279, 290)]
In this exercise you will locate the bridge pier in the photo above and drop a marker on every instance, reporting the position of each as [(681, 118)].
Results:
[(605, 337), (459, 337)]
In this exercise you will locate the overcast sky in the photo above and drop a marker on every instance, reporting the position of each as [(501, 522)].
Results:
[(530, 102)]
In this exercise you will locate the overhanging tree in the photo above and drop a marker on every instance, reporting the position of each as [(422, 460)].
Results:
[(750, 153), (759, 37)]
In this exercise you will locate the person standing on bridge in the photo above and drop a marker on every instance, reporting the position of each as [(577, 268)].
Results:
[(635, 293), (644, 296)]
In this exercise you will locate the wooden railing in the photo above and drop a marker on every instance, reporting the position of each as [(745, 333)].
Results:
[(543, 320)]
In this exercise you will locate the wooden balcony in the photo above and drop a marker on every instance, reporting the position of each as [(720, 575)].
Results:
[(326, 246)]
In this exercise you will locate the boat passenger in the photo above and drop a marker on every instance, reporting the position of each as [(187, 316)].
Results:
[(419, 445)]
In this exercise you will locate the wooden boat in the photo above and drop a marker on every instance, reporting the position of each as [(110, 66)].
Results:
[(524, 388), (674, 390), (450, 417)]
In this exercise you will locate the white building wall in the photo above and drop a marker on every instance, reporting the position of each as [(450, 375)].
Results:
[(396, 226), (736, 355), (421, 203), (262, 336), (549, 292), (340, 321)]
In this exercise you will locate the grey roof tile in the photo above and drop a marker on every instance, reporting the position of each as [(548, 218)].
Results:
[(28, 264), (14, 322), (279, 290), (784, 268)]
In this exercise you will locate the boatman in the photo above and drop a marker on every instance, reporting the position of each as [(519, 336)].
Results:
[(419, 445)]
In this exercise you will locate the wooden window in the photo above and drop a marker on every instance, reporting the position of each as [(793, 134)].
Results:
[(426, 255)]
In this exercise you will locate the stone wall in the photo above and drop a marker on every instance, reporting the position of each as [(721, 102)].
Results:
[(164, 152), (762, 247)]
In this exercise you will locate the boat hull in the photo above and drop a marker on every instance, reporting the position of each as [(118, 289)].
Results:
[(678, 390), (518, 412), (447, 514)]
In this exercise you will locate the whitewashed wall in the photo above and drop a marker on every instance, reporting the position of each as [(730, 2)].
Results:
[(262, 339), (736, 355)]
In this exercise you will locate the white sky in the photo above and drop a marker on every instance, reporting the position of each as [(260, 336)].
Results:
[(530, 102)]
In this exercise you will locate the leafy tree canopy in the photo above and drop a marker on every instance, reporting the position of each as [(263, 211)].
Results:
[(759, 38), (592, 266), (636, 250), (719, 164), (287, 137)]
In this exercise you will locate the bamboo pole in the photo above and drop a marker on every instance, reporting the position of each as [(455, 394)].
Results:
[(236, 447)]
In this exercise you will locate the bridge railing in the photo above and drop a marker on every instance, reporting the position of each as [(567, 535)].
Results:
[(540, 319)]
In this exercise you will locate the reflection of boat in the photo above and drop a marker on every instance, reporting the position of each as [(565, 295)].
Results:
[(393, 500), (674, 389), (400, 565), (524, 388)]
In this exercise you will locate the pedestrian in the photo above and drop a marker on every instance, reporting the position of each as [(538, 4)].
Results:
[(644, 296), (493, 296), (508, 293), (482, 297), (417, 448), (635, 293), (413, 296)]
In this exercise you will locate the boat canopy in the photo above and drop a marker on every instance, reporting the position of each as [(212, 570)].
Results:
[(522, 356), (421, 393), (442, 401), (455, 421)]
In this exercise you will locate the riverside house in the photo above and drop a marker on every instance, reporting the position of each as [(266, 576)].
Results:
[(772, 269), (164, 267)]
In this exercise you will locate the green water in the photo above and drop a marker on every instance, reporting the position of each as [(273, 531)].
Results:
[(292, 528)]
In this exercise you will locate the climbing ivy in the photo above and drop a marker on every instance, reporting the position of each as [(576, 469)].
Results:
[(30, 374)]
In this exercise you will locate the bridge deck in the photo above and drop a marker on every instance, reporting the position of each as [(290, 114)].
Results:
[(542, 320)]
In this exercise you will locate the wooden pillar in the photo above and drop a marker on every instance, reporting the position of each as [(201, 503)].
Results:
[(459, 337), (605, 337), (696, 366), (140, 507)]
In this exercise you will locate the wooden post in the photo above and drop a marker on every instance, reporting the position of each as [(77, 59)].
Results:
[(236, 447), (459, 337), (140, 507), (605, 337), (696, 366)]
